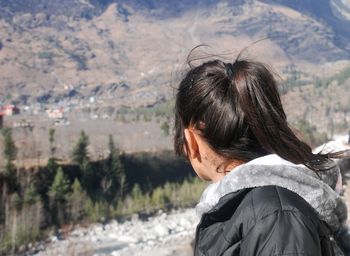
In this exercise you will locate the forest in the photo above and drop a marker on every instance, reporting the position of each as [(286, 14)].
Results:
[(52, 199)]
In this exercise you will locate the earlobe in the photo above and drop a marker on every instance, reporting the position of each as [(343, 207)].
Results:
[(192, 144)]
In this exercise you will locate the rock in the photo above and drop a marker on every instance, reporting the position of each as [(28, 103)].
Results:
[(185, 223), (113, 236), (128, 239), (41, 247), (150, 243), (22, 248), (161, 230)]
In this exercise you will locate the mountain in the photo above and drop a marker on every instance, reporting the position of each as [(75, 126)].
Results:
[(132, 52), (89, 8), (333, 13)]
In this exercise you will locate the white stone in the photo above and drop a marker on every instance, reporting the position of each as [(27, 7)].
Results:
[(161, 230)]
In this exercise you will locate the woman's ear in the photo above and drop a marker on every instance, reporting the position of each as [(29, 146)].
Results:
[(193, 150)]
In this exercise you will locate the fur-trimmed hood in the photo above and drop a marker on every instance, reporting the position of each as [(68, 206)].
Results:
[(273, 170)]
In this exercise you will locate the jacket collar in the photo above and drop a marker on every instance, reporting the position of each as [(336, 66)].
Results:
[(273, 170)]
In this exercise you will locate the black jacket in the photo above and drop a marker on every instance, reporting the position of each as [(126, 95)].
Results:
[(266, 220)]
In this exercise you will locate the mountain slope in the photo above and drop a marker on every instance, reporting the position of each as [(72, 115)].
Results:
[(334, 13), (129, 52)]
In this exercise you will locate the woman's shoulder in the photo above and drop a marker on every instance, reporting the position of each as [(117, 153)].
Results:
[(245, 208), (256, 203), (280, 216), (264, 206), (266, 200), (268, 215), (263, 201)]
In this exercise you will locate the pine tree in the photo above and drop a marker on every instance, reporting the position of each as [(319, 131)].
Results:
[(112, 182), (46, 177), (60, 186), (10, 150), (58, 195), (116, 168), (89, 178), (80, 153), (10, 153), (77, 200), (157, 198), (31, 196), (136, 195)]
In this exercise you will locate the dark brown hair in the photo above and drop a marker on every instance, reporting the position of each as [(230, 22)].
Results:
[(238, 110)]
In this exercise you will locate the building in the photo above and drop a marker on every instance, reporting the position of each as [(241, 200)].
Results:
[(57, 113), (9, 110)]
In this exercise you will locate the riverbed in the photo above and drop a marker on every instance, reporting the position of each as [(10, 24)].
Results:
[(160, 235)]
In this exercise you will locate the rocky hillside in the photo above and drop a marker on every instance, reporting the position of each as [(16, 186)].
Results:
[(131, 52), (332, 13)]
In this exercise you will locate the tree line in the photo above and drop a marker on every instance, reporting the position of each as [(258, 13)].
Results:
[(53, 198)]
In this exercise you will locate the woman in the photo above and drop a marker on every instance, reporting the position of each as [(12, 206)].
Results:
[(267, 195)]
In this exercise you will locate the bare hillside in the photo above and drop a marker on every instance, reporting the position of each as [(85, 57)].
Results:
[(77, 49)]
